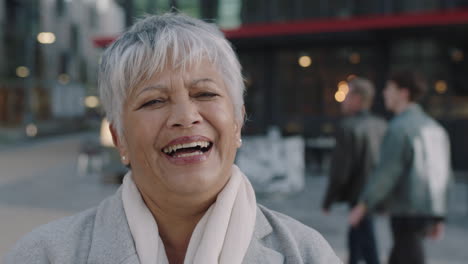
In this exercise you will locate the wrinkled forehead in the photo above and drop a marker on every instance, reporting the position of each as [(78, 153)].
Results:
[(191, 69)]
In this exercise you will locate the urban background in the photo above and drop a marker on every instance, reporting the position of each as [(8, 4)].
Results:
[(297, 57)]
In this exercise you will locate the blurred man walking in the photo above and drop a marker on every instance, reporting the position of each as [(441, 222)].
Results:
[(413, 172), (358, 140)]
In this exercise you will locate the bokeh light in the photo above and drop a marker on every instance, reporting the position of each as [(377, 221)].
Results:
[(46, 37), (457, 55), (31, 130), (343, 87), (305, 61), (64, 78), (91, 101), (441, 86), (22, 71), (340, 96)]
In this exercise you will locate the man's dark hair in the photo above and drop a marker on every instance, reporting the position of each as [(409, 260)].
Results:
[(413, 81)]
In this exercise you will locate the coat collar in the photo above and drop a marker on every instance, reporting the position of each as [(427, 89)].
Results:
[(112, 241), (258, 252), (411, 109)]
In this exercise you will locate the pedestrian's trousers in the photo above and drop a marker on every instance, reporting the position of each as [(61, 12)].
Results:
[(362, 244), (408, 235)]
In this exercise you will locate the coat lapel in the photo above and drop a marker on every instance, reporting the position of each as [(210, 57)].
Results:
[(112, 240), (258, 252)]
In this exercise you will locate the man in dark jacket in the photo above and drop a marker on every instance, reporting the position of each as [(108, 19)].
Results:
[(358, 140), (413, 173)]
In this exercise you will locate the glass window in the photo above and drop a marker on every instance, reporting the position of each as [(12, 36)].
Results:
[(253, 12), (367, 7), (444, 66), (340, 8), (415, 5), (59, 7), (257, 90), (189, 7), (229, 13), (308, 82), (313, 9), (461, 3)]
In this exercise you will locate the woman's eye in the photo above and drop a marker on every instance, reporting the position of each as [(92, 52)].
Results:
[(152, 103), (206, 95)]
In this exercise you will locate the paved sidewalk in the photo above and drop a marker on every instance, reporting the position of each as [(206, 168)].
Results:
[(38, 183)]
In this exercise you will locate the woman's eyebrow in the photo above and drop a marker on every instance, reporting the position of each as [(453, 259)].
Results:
[(159, 87), (201, 80)]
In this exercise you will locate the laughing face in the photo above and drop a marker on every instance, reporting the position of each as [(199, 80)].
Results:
[(180, 134)]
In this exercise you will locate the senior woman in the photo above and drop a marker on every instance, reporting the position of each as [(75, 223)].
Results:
[(172, 89)]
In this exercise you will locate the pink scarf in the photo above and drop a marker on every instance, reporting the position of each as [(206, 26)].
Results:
[(221, 236)]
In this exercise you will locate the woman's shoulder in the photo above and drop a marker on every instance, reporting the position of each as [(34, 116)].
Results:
[(281, 221), (290, 235), (55, 239), (74, 238), (64, 239)]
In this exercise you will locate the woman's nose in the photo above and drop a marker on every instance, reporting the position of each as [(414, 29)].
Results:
[(184, 114)]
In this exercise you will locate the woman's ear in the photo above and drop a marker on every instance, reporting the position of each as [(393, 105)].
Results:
[(120, 144), (238, 127)]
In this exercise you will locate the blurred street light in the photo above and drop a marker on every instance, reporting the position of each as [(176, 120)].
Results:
[(31, 130), (46, 37), (343, 87), (91, 101), (22, 71), (64, 78), (340, 96), (441, 86), (305, 61)]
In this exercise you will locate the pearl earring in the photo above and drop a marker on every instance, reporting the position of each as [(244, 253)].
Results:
[(124, 158), (240, 140)]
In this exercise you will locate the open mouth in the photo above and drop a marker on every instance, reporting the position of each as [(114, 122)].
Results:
[(187, 149)]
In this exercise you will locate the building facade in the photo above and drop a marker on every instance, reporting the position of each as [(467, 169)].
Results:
[(298, 55), (49, 61)]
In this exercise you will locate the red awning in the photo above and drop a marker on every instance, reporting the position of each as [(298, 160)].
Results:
[(103, 41), (406, 20), (311, 26)]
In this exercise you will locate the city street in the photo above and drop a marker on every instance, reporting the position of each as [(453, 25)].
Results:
[(39, 183)]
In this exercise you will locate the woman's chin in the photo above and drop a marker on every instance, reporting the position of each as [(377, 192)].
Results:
[(193, 183)]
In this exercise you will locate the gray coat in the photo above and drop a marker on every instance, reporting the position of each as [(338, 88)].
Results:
[(358, 140), (101, 235), (414, 169)]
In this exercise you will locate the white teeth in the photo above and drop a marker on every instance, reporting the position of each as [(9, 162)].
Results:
[(189, 154), (190, 145), (174, 148)]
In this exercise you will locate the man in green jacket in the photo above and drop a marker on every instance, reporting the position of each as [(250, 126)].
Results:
[(413, 174)]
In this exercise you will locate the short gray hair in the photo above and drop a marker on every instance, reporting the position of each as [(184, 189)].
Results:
[(364, 88), (155, 42)]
